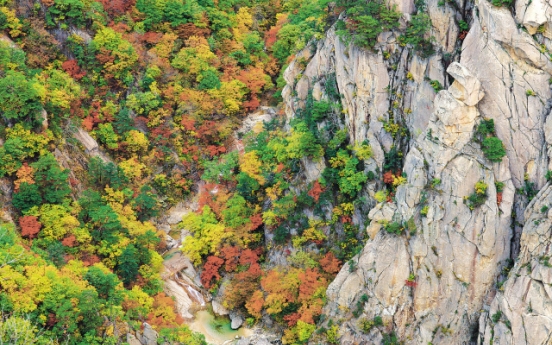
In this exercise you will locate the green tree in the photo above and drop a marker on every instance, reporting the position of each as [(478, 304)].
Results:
[(104, 283), (98, 216), (27, 197), (102, 174), (18, 97), (493, 148), (51, 179), (127, 266), (208, 80), (146, 204)]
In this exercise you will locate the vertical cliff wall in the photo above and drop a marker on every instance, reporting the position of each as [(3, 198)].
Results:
[(433, 283)]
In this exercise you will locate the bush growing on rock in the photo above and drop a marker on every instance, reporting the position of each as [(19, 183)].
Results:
[(479, 197), (493, 148)]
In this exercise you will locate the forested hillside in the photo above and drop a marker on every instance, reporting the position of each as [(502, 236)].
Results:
[(161, 86), (323, 172)]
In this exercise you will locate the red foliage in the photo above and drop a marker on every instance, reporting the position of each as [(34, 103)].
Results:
[(498, 197), (69, 241), (231, 256), (163, 312), (105, 56), (252, 104), (388, 177), (213, 195), (52, 320), (76, 108), (119, 27), (410, 283), (249, 257), (73, 182), (117, 7), (73, 69), (210, 270), (315, 191), (256, 221), (292, 319), (152, 37), (272, 34), (89, 259), (208, 131), (188, 123), (330, 264), (30, 226), (185, 31), (346, 219), (310, 282), (213, 150)]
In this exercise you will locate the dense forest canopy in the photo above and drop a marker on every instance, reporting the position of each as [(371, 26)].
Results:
[(162, 85)]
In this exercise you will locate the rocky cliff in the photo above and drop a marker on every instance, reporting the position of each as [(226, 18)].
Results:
[(446, 280)]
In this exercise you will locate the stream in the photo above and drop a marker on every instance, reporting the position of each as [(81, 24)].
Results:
[(216, 328)]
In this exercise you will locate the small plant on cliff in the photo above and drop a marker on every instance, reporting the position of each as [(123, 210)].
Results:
[(492, 147), (496, 316), (424, 211), (381, 195), (436, 85), (393, 228), (479, 197), (500, 3), (530, 93)]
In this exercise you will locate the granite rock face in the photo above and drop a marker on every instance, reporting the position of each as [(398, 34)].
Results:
[(444, 279)]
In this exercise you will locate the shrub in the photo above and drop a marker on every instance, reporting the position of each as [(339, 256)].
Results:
[(436, 85), (486, 127), (424, 211), (496, 316), (381, 196), (365, 325), (479, 197), (493, 149), (394, 228)]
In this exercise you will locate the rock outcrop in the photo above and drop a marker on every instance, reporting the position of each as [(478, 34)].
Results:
[(521, 311), (431, 284)]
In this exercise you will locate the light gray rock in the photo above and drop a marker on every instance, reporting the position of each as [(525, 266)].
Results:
[(132, 340), (522, 309), (236, 320), (219, 309), (149, 335)]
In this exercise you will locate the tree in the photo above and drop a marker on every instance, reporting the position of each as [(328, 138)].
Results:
[(493, 148), (210, 271), (24, 174), (30, 226), (98, 216), (207, 234), (18, 97), (51, 179), (27, 197), (330, 264), (102, 174), (208, 79), (105, 283), (127, 266), (146, 204)]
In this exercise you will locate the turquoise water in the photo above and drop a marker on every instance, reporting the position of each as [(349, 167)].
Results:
[(216, 329)]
